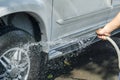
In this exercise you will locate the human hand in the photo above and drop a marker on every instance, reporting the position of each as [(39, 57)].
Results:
[(102, 33)]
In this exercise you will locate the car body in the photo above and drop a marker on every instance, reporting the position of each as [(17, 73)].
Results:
[(59, 26), (62, 22)]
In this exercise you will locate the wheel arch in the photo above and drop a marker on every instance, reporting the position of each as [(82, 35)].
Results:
[(36, 21)]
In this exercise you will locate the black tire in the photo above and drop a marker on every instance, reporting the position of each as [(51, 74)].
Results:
[(18, 38)]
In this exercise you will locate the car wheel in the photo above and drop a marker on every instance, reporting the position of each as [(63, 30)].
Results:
[(17, 60)]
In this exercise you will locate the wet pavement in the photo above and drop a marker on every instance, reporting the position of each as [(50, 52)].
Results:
[(97, 62)]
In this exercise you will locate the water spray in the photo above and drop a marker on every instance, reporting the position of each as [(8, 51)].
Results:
[(117, 51)]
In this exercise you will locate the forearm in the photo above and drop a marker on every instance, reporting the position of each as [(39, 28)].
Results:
[(114, 24)]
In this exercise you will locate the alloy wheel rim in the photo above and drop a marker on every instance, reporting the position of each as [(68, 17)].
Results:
[(15, 64)]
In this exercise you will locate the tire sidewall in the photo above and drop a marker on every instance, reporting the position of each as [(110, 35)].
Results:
[(37, 57)]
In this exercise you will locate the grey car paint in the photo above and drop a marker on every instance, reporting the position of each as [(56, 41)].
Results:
[(62, 22)]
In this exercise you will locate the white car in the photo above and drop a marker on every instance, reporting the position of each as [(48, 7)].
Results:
[(35, 31)]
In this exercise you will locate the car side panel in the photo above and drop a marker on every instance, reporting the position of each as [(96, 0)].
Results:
[(74, 16), (115, 9)]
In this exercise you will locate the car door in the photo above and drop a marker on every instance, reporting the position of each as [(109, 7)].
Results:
[(115, 9), (76, 17)]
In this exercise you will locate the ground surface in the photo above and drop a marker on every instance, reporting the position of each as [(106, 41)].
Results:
[(97, 63)]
